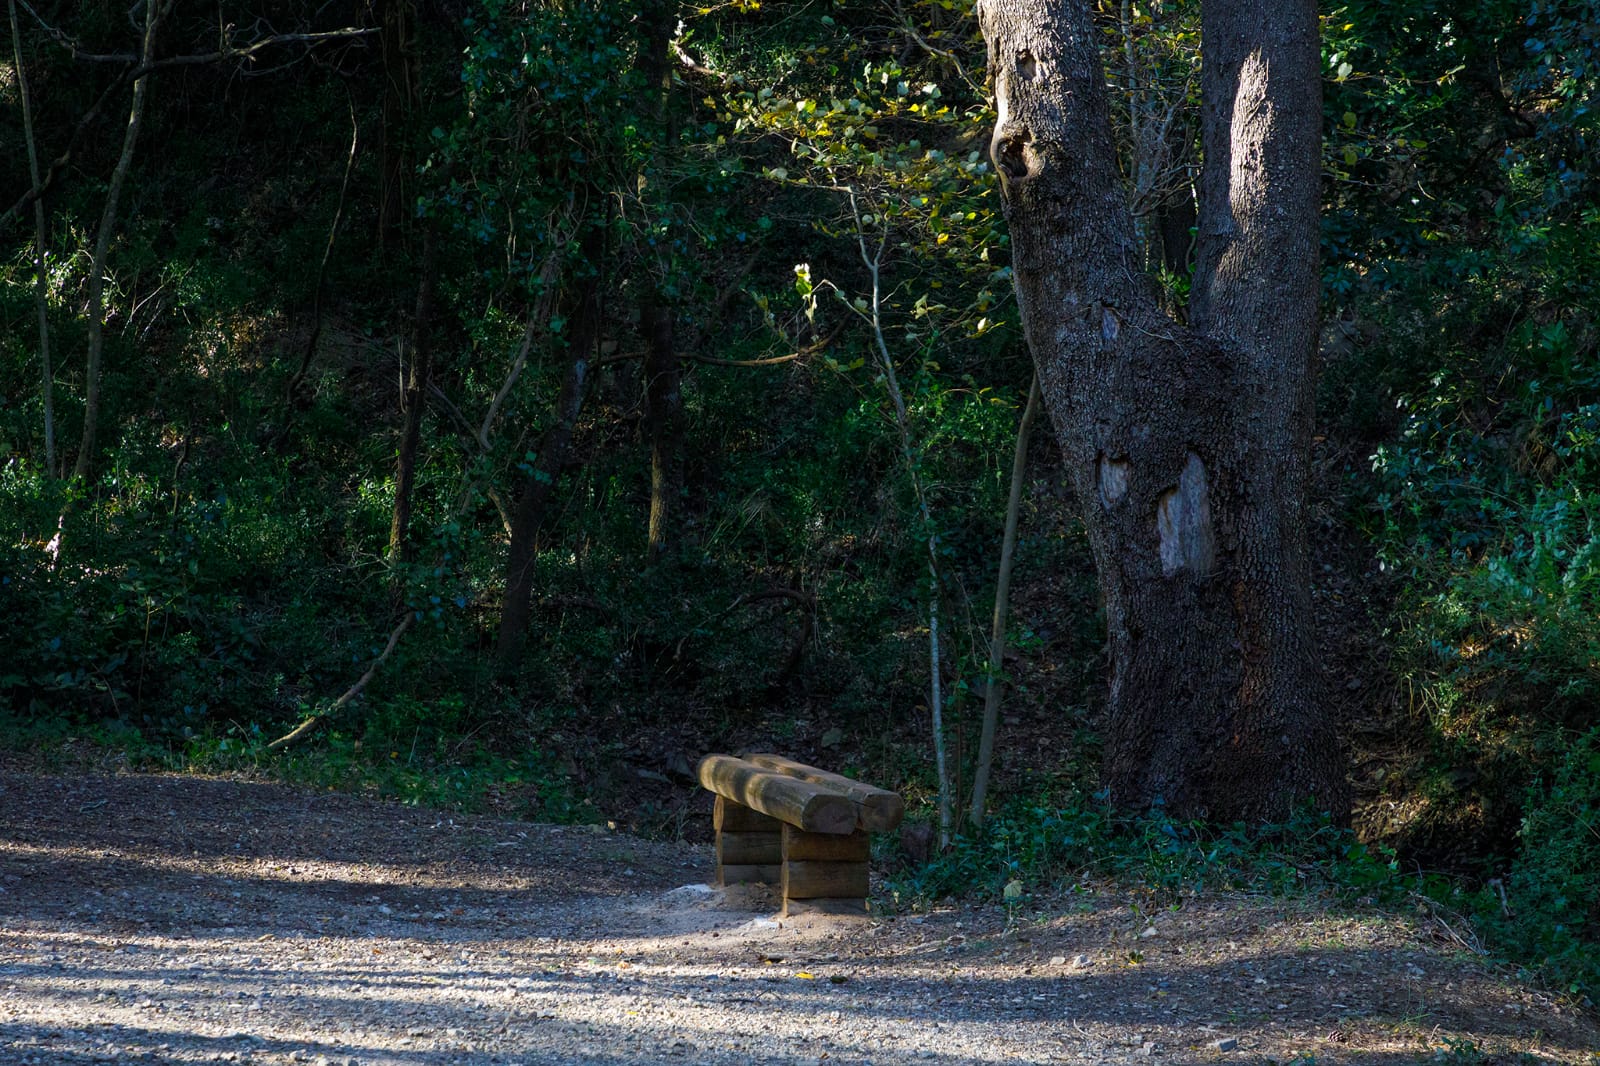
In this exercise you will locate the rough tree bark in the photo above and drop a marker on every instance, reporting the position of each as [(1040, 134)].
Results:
[(1187, 446)]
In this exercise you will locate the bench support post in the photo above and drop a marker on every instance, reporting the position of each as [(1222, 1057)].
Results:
[(749, 844)]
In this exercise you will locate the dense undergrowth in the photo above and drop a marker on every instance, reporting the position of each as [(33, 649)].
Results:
[(228, 570)]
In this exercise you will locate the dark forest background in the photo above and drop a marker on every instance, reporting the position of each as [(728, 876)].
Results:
[(501, 387)]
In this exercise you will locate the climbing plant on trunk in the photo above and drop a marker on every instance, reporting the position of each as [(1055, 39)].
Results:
[(1187, 443)]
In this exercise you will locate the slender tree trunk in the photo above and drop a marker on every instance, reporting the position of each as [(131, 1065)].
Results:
[(891, 382), (291, 391), (1186, 447), (414, 402), (154, 10), (663, 370), (663, 404), (40, 244), (1002, 599), (399, 104), (551, 456)]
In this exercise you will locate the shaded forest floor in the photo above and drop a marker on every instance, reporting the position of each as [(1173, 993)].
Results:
[(182, 919)]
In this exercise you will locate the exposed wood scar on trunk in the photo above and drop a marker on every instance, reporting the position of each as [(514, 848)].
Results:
[(1009, 147), (1012, 155), (1113, 479), (1109, 327), (1183, 522), (1028, 68)]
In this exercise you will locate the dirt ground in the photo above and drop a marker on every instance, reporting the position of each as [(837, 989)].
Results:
[(180, 919)]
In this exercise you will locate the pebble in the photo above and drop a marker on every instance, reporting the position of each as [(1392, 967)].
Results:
[(1227, 1043)]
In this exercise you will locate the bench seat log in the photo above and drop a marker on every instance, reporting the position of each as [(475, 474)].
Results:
[(881, 810), (806, 804)]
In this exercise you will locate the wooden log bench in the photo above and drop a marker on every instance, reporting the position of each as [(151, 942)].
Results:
[(807, 830)]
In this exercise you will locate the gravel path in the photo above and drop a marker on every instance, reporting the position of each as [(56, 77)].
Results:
[(177, 920)]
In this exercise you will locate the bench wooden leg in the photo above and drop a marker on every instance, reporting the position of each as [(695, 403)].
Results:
[(823, 873), (792, 907), (735, 817), (745, 874), (749, 845), (749, 849), (826, 872)]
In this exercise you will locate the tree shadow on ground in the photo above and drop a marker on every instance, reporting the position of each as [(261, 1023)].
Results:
[(142, 928)]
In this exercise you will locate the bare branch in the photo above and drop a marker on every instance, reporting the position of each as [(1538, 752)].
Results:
[(350, 693), (713, 360), (540, 313), (201, 59), (450, 408), (908, 27), (801, 353), (42, 186), (67, 41), (136, 70)]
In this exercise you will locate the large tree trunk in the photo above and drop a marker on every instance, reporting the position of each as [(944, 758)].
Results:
[(1187, 446)]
